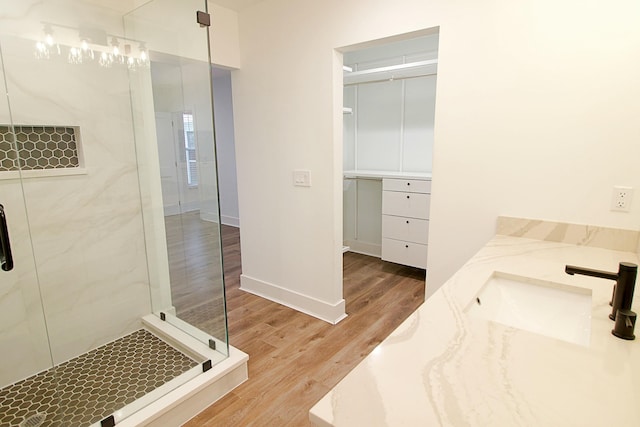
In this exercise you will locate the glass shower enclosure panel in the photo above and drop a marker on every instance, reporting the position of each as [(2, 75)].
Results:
[(179, 179), (71, 127), (73, 124), (24, 343), (94, 246)]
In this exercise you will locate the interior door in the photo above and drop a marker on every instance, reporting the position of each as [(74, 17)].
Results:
[(24, 344), (168, 160)]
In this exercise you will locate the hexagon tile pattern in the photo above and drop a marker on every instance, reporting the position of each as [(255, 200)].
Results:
[(93, 386), (38, 147), (207, 317)]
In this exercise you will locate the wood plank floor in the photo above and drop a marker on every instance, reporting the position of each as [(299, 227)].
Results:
[(294, 359), (196, 272)]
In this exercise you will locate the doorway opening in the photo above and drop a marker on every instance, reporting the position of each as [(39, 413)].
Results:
[(389, 89)]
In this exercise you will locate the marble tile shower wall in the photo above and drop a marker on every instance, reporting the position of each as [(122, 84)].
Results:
[(86, 230), (38, 147)]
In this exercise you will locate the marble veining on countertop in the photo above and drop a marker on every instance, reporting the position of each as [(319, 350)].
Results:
[(442, 367), (578, 234)]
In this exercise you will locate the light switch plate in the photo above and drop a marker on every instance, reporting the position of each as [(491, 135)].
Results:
[(302, 178)]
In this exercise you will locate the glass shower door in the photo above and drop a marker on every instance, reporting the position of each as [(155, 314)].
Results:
[(24, 343)]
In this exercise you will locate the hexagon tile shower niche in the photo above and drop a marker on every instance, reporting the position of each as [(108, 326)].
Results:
[(38, 148)]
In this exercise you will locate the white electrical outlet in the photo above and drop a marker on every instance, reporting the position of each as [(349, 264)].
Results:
[(621, 199)]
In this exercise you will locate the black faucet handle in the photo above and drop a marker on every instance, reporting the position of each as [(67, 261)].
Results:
[(625, 323)]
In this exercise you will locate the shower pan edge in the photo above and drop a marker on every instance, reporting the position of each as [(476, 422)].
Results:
[(189, 399)]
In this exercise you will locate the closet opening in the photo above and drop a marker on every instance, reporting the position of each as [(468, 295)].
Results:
[(389, 92)]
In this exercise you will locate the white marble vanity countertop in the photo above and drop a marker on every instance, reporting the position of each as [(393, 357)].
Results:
[(442, 367)]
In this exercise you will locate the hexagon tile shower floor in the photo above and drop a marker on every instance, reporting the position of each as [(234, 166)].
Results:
[(92, 386)]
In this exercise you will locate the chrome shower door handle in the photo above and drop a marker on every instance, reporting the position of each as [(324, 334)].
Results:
[(6, 259)]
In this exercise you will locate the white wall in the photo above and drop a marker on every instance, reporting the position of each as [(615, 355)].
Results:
[(391, 123), (225, 146), (362, 216), (225, 40), (394, 125), (536, 116)]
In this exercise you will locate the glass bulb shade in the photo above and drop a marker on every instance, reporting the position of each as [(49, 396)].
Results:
[(75, 56), (42, 51), (48, 39)]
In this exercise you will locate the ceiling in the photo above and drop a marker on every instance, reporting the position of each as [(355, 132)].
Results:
[(236, 5), (125, 6)]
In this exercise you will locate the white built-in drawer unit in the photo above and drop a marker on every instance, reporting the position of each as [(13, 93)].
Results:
[(408, 185), (412, 205), (404, 228), (405, 221), (406, 253)]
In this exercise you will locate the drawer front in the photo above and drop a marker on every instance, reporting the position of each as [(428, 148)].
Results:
[(406, 185), (404, 228), (414, 205), (406, 253)]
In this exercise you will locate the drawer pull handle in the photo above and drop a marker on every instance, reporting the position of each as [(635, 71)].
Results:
[(407, 221), (406, 246), (408, 183), (407, 197)]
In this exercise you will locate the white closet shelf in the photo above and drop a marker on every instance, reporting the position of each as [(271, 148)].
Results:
[(375, 174), (347, 110), (392, 72)]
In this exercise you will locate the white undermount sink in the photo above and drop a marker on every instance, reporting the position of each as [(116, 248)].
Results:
[(545, 308)]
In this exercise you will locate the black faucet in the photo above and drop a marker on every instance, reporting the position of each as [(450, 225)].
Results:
[(622, 294)]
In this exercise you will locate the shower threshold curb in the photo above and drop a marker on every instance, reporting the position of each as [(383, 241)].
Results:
[(187, 400)]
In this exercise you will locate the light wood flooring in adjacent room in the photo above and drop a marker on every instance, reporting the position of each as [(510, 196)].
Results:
[(295, 359), (195, 271)]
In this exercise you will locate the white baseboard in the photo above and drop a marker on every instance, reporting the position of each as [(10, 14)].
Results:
[(171, 210), (364, 248), (332, 313), (190, 206), (177, 209), (205, 216), (209, 216), (230, 220)]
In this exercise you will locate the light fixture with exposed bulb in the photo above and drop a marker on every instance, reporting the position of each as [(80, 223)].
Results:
[(91, 45), (116, 46)]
